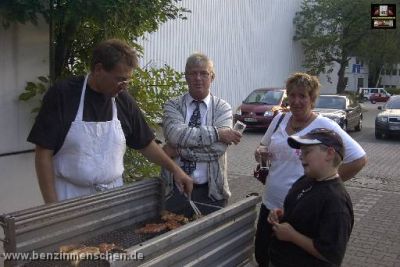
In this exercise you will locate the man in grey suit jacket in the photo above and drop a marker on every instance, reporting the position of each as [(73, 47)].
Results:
[(198, 129)]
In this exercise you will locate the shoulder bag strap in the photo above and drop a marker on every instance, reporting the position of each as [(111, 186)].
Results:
[(279, 122)]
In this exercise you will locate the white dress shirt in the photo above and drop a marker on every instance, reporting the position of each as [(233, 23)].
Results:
[(199, 175)]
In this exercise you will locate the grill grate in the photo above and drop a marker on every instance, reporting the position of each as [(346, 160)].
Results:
[(124, 237)]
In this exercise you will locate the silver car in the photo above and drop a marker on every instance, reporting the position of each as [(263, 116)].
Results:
[(341, 109)]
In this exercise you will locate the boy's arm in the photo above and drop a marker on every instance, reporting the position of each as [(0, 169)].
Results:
[(285, 232)]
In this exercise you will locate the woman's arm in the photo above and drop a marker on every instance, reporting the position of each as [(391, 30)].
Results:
[(349, 170)]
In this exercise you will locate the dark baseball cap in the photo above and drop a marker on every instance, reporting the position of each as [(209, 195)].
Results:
[(318, 136)]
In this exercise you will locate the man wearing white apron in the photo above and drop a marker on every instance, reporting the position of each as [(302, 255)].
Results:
[(84, 125)]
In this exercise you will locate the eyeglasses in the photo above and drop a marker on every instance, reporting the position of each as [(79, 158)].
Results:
[(124, 82), (118, 77), (194, 74)]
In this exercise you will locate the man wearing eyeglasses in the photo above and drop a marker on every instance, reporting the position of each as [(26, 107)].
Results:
[(84, 125), (198, 129)]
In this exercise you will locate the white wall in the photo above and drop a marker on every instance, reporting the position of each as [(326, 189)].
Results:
[(250, 43), (24, 56), (329, 81)]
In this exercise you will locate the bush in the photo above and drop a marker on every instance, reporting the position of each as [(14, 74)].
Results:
[(393, 91), (151, 88)]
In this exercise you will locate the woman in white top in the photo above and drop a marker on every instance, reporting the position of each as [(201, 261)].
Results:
[(286, 168)]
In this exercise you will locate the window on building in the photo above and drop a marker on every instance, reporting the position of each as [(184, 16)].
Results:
[(359, 62), (394, 72), (383, 71), (387, 72), (360, 83)]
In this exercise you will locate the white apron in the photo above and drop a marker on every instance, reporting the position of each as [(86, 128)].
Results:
[(91, 158)]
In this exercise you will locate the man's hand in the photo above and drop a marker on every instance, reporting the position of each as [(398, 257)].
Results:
[(183, 181), (170, 151), (157, 155), (229, 136)]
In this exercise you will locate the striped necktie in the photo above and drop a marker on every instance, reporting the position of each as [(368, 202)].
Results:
[(195, 121)]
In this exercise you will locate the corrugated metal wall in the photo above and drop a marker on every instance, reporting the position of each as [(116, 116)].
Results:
[(250, 42)]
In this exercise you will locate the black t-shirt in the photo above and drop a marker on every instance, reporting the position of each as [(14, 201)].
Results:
[(60, 106), (322, 211)]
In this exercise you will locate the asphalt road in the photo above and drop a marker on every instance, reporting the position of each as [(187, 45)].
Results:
[(375, 192)]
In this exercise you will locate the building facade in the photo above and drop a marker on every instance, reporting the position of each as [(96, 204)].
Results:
[(390, 77)]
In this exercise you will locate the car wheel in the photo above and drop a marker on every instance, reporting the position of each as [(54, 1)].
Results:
[(358, 126), (378, 135), (373, 102)]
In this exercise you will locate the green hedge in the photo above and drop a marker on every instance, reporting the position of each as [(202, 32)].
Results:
[(393, 91)]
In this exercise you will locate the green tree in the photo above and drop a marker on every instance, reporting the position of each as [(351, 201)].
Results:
[(331, 31), (380, 50), (76, 26), (155, 86)]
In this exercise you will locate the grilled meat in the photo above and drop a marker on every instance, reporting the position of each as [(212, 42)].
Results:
[(171, 225), (69, 248), (151, 228), (169, 216)]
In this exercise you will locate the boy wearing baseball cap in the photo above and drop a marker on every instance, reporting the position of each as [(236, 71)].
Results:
[(317, 218)]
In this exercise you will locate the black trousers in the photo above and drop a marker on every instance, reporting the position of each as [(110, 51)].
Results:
[(263, 238), (179, 204)]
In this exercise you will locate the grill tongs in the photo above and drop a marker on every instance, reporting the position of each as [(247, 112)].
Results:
[(194, 207)]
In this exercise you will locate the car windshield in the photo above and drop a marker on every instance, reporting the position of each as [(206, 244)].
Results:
[(393, 104), (331, 102), (264, 97)]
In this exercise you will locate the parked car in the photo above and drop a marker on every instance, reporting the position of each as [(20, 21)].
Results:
[(379, 97), (368, 92), (260, 106), (387, 122), (340, 108)]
